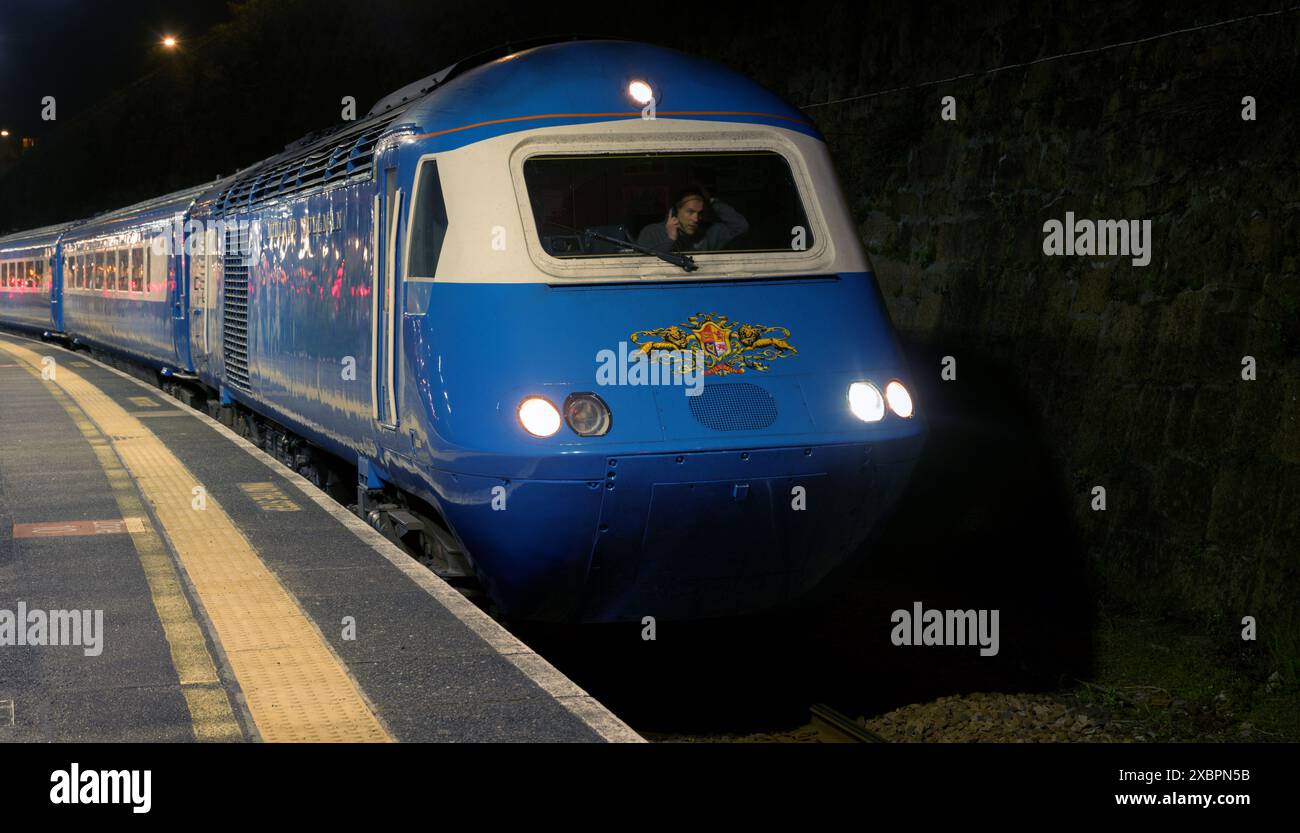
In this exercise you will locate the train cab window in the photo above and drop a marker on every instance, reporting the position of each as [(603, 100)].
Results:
[(749, 204), (428, 222), (124, 269), (137, 269)]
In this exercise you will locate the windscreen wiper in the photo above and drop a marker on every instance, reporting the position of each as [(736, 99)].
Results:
[(686, 262)]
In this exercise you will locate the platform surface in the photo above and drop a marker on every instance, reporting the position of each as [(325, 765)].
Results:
[(162, 579)]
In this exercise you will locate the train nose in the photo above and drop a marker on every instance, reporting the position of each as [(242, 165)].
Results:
[(688, 536)]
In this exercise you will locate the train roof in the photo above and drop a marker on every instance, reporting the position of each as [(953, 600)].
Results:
[(534, 83), (345, 152), (147, 210), (45, 235), (587, 80)]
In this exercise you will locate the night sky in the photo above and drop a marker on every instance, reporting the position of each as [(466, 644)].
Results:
[(80, 50)]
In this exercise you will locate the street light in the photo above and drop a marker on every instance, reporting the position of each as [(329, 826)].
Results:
[(4, 134), (169, 42)]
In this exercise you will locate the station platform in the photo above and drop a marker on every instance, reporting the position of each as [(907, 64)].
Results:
[(162, 579)]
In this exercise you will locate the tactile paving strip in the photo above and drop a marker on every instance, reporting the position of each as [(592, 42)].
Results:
[(295, 687)]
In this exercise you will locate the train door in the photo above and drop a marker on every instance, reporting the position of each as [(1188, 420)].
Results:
[(202, 282), (385, 320), (54, 268), (179, 287)]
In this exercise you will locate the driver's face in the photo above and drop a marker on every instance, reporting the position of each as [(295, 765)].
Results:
[(689, 214)]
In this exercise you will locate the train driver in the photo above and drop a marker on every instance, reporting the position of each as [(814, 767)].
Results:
[(682, 230)]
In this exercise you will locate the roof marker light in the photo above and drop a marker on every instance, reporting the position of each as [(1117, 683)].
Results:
[(641, 92)]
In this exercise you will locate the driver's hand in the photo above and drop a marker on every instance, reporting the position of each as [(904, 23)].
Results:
[(672, 226)]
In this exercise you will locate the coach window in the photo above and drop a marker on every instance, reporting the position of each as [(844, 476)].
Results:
[(99, 270), (85, 266), (124, 269), (155, 278), (428, 223), (110, 270), (40, 274), (137, 269)]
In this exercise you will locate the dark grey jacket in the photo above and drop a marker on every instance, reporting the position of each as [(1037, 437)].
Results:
[(728, 227)]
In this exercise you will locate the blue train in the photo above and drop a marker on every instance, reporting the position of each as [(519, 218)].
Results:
[(591, 318)]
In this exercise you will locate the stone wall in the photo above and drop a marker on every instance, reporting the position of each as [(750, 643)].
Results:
[(1134, 373)]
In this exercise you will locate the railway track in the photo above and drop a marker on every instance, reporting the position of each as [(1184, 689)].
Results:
[(834, 727)]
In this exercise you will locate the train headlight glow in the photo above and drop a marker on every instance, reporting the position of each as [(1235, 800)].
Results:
[(641, 92), (539, 417), (900, 401), (866, 402), (587, 414)]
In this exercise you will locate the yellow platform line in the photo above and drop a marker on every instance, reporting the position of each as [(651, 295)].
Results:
[(211, 715), (295, 687)]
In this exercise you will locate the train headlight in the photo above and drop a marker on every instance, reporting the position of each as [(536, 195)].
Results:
[(539, 417), (587, 414), (866, 402), (641, 92), (900, 401)]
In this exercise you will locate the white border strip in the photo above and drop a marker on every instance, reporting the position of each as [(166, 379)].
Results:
[(582, 705)]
